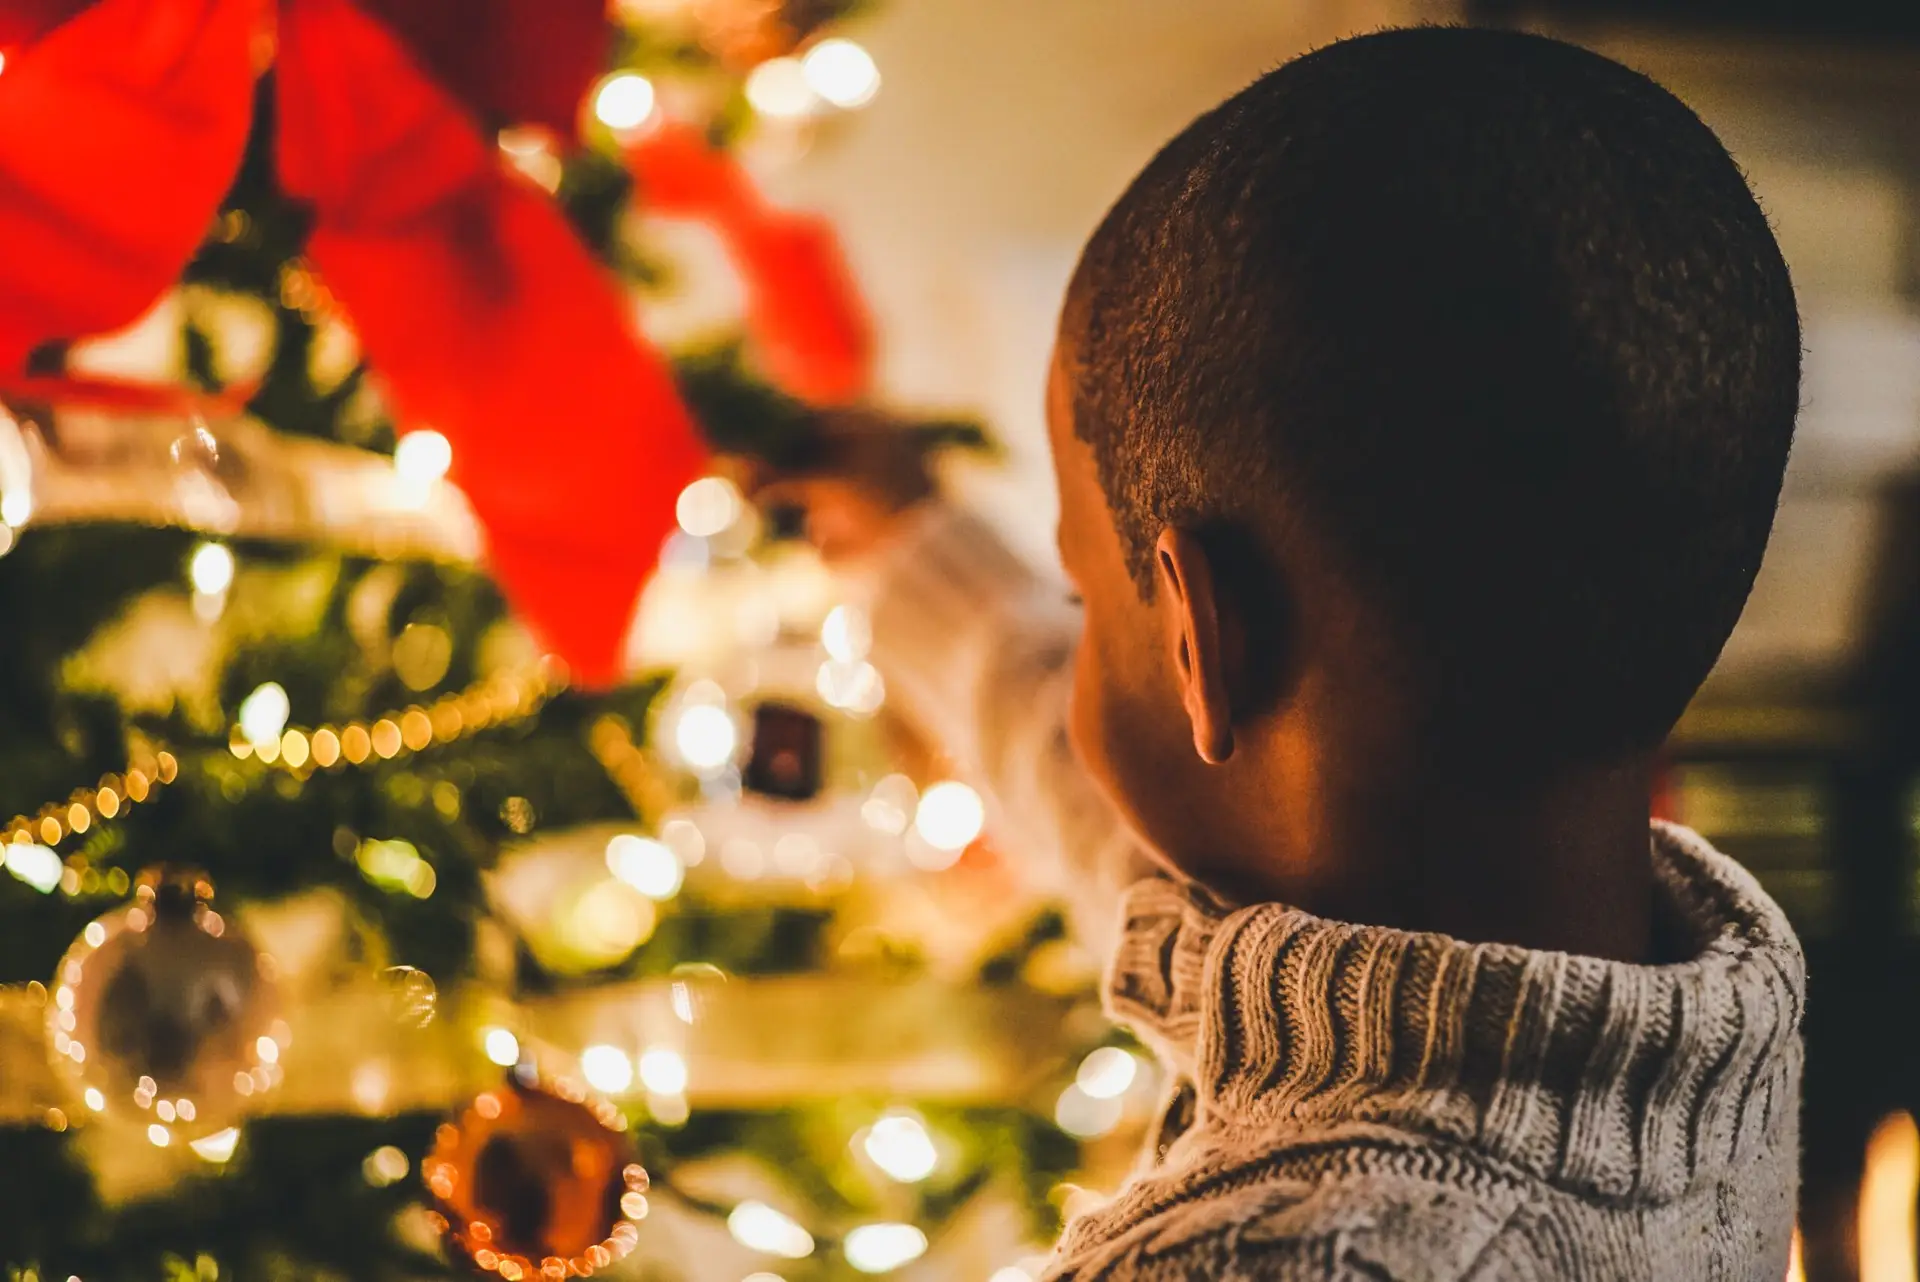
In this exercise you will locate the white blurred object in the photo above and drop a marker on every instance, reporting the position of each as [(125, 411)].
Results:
[(841, 72)]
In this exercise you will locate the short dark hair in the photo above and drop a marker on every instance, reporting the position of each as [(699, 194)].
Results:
[(1498, 326)]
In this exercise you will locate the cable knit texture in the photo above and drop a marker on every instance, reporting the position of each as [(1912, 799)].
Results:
[(1353, 1102)]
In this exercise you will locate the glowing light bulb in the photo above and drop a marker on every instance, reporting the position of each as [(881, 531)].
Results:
[(881, 1248), (264, 713), (951, 815), (649, 866), (159, 1136), (841, 72), (899, 1145), (210, 569), (95, 1100), (1083, 1116), (759, 1227), (421, 458), (385, 1165), (623, 101), (846, 634), (663, 1071), (606, 1068), (16, 507), (1107, 1073), (217, 1147), (36, 865), (778, 87), (706, 737), (708, 506), (891, 805), (502, 1047)]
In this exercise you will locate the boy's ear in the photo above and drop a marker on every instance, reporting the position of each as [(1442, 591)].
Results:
[(1186, 577)]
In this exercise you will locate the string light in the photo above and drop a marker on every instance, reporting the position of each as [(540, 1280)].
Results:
[(950, 816), (54, 822), (649, 866), (778, 87), (1885, 1224), (708, 506), (705, 737), (881, 1248), (623, 101), (759, 1227), (846, 634), (210, 569), (497, 700), (663, 1071), (898, 1144), (1107, 1073), (606, 1068), (36, 865), (263, 715), (502, 1047), (385, 1165), (217, 1147), (1083, 1116), (422, 457), (841, 72)]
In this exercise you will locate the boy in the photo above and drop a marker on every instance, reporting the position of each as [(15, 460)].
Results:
[(1419, 414)]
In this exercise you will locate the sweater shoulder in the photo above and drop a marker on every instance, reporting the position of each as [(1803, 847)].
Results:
[(1377, 1225)]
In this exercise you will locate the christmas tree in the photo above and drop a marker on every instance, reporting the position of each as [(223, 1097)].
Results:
[(380, 906)]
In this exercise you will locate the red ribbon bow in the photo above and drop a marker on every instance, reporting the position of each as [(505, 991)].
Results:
[(122, 123)]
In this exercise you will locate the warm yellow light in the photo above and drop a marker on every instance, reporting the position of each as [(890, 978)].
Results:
[(606, 1068), (649, 866), (326, 748), (217, 1147), (882, 1248), (502, 1047), (841, 72), (778, 87), (159, 1136), (708, 506), (385, 1165), (759, 1227), (705, 736), (1084, 1117), (294, 749), (950, 816), (95, 1100), (38, 866), (263, 715), (846, 634), (1107, 1073), (1887, 1201), (1796, 1267), (623, 101), (899, 1145), (210, 569), (663, 1071), (422, 457)]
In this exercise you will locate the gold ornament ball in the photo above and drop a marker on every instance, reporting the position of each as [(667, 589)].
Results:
[(164, 1015)]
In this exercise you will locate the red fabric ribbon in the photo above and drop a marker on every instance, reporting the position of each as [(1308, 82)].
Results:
[(804, 312), (121, 125)]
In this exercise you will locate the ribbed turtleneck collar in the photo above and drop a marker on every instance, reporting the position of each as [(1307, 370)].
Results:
[(1612, 1079)]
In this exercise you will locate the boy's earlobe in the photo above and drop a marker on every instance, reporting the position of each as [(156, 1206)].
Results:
[(1186, 579)]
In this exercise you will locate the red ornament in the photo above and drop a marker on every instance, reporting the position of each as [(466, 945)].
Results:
[(804, 311), (121, 128)]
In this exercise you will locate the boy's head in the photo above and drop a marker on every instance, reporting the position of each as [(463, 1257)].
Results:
[(1422, 407)]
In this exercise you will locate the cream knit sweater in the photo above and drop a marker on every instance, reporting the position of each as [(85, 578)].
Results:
[(1352, 1102)]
